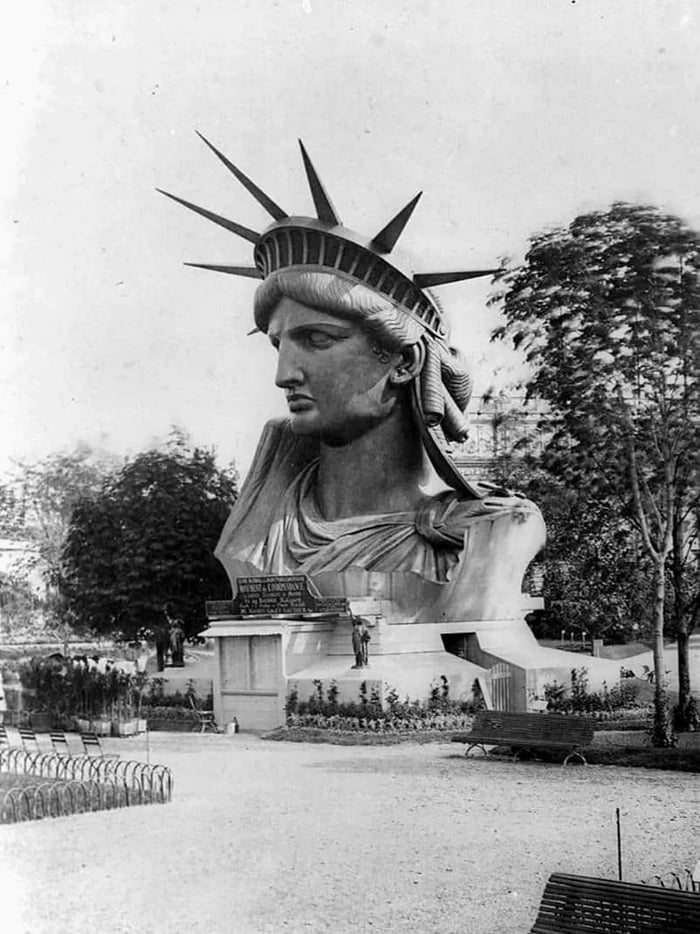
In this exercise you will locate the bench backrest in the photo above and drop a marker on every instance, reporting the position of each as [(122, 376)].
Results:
[(91, 743), (59, 742), (577, 904), (28, 737), (530, 726)]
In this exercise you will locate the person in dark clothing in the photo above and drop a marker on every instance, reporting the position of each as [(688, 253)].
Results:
[(176, 637), (360, 638), (162, 636)]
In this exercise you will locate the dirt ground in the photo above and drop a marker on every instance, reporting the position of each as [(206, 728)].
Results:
[(266, 837)]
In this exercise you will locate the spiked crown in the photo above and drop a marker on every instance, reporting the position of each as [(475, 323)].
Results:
[(324, 244)]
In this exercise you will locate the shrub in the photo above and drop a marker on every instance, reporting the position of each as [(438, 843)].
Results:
[(369, 713), (171, 712), (622, 696)]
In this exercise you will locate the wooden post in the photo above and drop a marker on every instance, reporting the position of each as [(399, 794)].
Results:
[(619, 845)]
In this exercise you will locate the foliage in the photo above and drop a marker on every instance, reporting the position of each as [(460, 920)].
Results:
[(369, 713), (77, 689), (18, 604), (579, 700), (36, 504), (595, 575), (607, 312), (175, 712), (147, 538)]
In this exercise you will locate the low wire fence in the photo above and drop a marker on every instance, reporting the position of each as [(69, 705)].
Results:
[(76, 784)]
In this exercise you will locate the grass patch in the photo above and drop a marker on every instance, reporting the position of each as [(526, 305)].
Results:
[(361, 738), (9, 780), (677, 760), (647, 757)]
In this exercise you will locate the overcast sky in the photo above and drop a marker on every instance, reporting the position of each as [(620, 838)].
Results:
[(510, 116)]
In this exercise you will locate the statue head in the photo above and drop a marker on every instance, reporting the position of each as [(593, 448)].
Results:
[(319, 264), (348, 349)]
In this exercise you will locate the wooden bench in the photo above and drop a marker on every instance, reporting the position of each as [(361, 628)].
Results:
[(528, 731), (578, 904)]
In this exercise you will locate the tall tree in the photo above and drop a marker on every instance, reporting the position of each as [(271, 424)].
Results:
[(36, 504), (147, 538), (50, 489), (608, 314), (595, 576)]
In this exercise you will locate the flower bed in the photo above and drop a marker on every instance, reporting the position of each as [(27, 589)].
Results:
[(177, 719)]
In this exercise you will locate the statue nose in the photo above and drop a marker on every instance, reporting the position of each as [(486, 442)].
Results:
[(289, 372)]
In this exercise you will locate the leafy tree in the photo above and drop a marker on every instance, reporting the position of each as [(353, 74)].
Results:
[(147, 538), (595, 575), (36, 504), (39, 502), (608, 314)]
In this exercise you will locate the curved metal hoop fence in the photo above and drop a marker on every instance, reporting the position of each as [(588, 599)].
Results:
[(76, 784)]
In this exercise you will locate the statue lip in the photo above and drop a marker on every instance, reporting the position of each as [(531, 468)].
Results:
[(297, 401)]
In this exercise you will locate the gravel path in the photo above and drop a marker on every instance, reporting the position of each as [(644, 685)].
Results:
[(266, 837)]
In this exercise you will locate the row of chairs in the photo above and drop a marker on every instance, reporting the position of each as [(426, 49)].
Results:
[(59, 743)]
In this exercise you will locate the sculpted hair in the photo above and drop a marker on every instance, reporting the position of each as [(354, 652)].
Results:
[(330, 293)]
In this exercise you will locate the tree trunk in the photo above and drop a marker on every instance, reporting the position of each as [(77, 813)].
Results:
[(685, 713), (682, 716), (662, 732)]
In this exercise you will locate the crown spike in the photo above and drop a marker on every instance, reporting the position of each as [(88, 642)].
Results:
[(385, 240), (273, 209), (238, 229), (323, 204), (426, 279), (250, 272)]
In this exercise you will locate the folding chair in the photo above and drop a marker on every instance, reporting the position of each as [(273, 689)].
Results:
[(28, 737), (60, 743), (4, 738), (205, 718), (93, 747)]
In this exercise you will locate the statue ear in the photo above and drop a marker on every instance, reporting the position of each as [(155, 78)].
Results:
[(409, 365)]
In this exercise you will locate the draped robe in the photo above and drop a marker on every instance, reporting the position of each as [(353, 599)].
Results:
[(276, 527)]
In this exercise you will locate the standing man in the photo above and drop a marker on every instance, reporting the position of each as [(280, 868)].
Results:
[(162, 637)]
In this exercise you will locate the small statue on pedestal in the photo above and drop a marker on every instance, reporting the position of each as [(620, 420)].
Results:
[(360, 638)]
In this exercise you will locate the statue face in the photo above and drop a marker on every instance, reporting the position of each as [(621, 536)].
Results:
[(337, 388)]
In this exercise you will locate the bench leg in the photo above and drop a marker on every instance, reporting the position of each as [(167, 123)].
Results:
[(476, 746), (575, 753)]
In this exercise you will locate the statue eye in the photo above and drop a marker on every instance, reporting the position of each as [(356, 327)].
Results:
[(319, 340)]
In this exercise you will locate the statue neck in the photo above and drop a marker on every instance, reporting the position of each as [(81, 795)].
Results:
[(376, 473)]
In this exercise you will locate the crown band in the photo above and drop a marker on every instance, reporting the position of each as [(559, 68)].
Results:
[(292, 245)]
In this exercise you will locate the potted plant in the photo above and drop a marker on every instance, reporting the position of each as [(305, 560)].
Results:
[(101, 720), (139, 681), (38, 679), (118, 696)]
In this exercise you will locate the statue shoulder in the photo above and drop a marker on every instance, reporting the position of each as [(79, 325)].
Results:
[(280, 449), (445, 517), (279, 458)]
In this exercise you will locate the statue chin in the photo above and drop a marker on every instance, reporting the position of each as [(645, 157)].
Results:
[(333, 437)]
